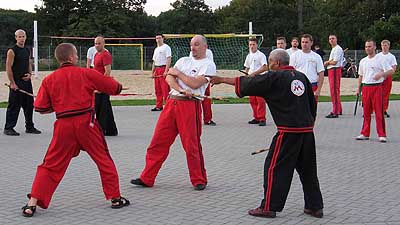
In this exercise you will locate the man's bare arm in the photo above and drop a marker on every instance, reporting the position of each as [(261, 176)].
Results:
[(9, 63)]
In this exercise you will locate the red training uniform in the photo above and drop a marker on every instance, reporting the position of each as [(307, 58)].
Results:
[(182, 116), (68, 92)]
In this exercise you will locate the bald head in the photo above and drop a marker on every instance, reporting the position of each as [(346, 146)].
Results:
[(99, 43), (198, 46), (278, 58), (65, 53)]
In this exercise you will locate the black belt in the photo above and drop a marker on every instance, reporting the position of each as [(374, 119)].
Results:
[(184, 98), (159, 66), (374, 84)]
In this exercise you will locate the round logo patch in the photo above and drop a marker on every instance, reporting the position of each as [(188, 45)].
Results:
[(297, 87)]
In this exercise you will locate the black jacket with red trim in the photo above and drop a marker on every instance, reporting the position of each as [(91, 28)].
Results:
[(288, 94)]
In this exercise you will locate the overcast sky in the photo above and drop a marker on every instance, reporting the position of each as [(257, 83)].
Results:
[(152, 7)]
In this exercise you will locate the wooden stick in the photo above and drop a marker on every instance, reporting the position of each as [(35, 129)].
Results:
[(20, 90), (242, 71), (260, 151)]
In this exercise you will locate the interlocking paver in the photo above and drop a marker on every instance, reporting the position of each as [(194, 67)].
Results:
[(359, 180)]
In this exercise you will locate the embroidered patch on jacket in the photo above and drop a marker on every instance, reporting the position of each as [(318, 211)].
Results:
[(297, 87)]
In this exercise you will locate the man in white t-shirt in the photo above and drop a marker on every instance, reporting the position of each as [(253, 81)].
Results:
[(161, 63), (90, 57), (334, 67), (294, 48), (372, 71), (256, 64), (281, 42), (182, 115), (387, 83), (206, 103), (309, 63)]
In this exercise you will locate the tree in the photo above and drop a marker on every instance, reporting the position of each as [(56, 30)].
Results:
[(188, 16)]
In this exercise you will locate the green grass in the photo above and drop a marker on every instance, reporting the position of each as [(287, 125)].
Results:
[(139, 102)]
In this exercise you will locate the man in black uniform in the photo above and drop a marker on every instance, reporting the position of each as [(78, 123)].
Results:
[(19, 72), (292, 104)]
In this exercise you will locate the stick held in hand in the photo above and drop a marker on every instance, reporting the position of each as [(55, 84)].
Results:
[(20, 90)]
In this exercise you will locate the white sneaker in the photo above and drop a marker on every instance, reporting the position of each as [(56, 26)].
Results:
[(382, 139), (362, 138)]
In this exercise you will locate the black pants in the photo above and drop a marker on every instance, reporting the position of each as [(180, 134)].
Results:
[(16, 100), (104, 114), (290, 151)]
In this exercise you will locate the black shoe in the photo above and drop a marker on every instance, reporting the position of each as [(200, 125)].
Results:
[(317, 213), (210, 123), (331, 115), (33, 131), (259, 212), (11, 132), (254, 121), (139, 182), (155, 109), (200, 187), (262, 123), (386, 114)]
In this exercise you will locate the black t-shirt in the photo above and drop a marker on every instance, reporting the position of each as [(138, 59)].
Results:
[(21, 62), (288, 93)]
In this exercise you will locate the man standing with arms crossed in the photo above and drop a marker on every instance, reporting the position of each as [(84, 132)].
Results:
[(334, 67), (182, 115), (256, 64), (387, 83), (104, 113), (19, 73), (309, 63), (161, 63), (372, 71)]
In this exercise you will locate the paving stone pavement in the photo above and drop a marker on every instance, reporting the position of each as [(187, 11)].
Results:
[(359, 180)]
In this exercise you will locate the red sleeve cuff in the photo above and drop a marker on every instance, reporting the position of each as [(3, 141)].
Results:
[(237, 87)]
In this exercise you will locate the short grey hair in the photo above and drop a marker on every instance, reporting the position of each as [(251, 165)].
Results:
[(280, 55), (19, 31)]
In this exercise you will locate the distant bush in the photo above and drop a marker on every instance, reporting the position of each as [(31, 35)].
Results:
[(396, 75)]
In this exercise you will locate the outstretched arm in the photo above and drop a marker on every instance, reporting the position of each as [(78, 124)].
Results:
[(222, 80)]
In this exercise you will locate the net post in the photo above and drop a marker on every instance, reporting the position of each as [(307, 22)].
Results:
[(35, 49)]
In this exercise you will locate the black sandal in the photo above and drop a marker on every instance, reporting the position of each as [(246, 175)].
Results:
[(26, 207), (117, 203)]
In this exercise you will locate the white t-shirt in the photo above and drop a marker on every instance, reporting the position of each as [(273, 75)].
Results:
[(161, 53), (336, 55), (209, 54), (308, 63), (193, 67), (254, 61), (389, 58), (90, 55), (290, 51), (369, 67)]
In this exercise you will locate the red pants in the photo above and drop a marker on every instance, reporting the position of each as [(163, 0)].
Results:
[(181, 117), (160, 86), (334, 76), (372, 99), (259, 107), (69, 137), (206, 103), (314, 88), (387, 87)]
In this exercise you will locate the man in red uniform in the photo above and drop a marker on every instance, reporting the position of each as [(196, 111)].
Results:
[(182, 115), (103, 108), (68, 92), (372, 72), (161, 63)]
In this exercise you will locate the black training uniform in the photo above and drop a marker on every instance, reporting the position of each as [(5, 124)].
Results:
[(293, 107), (16, 99)]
